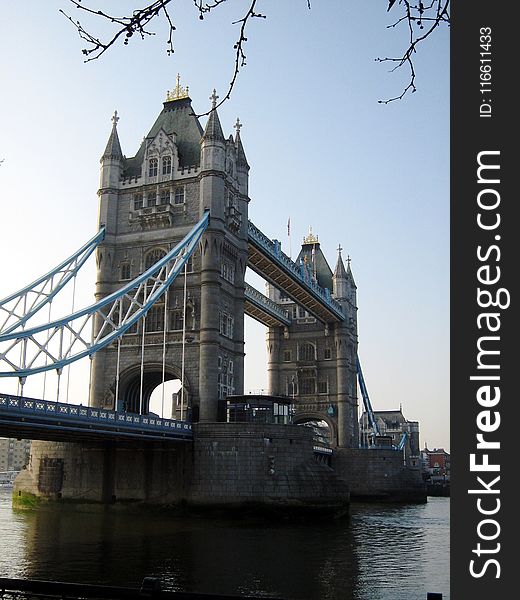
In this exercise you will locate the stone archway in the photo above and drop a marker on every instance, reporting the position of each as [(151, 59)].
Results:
[(130, 386), (325, 428)]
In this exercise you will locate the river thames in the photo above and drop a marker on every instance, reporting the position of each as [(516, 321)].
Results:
[(380, 552)]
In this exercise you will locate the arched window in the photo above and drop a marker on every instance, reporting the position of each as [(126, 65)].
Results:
[(307, 352), (176, 320), (166, 165), (307, 382), (152, 257), (125, 271), (151, 199), (164, 197), (179, 195), (138, 201), (153, 165), (155, 318)]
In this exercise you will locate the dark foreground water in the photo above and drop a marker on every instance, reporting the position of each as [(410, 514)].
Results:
[(379, 553)]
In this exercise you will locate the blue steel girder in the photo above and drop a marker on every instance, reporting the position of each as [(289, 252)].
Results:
[(64, 341), (32, 418), (18, 308), (267, 259), (263, 309), (366, 398)]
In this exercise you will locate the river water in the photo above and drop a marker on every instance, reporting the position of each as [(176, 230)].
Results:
[(380, 552)]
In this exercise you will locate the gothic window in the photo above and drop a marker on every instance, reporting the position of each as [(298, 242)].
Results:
[(155, 319), (327, 353), (150, 199), (179, 195), (294, 312), (166, 165), (323, 387), (287, 356), (226, 379), (308, 382), (227, 270), (292, 386), (227, 323), (189, 264), (153, 164), (301, 312), (164, 197), (307, 352), (138, 201), (125, 271), (177, 320), (152, 257)]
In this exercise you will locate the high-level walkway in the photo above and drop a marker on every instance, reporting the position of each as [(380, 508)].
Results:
[(267, 259)]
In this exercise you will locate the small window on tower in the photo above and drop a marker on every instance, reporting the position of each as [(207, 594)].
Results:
[(177, 320), (166, 165), (125, 271), (150, 199), (164, 197), (153, 164), (152, 257), (327, 353), (138, 201), (323, 387), (287, 356), (179, 195)]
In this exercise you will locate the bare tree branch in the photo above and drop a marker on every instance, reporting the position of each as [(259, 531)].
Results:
[(126, 26), (240, 57), (416, 17)]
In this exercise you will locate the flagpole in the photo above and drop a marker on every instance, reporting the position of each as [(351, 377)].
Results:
[(289, 235)]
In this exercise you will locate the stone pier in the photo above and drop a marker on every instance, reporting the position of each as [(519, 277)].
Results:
[(229, 467)]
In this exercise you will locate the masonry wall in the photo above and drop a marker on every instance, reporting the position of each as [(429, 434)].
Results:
[(378, 474), (228, 466), (106, 473), (269, 464)]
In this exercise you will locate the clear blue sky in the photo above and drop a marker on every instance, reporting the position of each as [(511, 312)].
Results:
[(322, 151)]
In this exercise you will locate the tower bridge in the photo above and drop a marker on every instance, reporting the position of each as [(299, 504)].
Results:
[(174, 244)]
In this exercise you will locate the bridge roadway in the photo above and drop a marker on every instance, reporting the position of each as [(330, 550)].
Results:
[(34, 419), (266, 258)]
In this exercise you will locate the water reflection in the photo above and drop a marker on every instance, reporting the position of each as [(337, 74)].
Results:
[(380, 553)]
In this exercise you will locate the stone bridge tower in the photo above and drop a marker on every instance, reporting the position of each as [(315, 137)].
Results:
[(147, 204), (315, 362)]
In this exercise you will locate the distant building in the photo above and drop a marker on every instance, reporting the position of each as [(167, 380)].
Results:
[(436, 462), (392, 426), (14, 454)]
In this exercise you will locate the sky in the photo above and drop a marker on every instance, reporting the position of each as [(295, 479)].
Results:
[(323, 152)]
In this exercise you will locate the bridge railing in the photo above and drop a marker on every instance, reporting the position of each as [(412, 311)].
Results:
[(77, 412), (299, 272)]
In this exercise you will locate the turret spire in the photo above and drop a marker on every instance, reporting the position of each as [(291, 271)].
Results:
[(213, 128), (113, 147), (339, 271), (241, 155)]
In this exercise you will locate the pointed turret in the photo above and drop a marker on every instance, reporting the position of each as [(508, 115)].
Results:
[(213, 130), (112, 159), (113, 148), (344, 286), (242, 164), (213, 143), (340, 278), (109, 179), (350, 276), (241, 155)]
